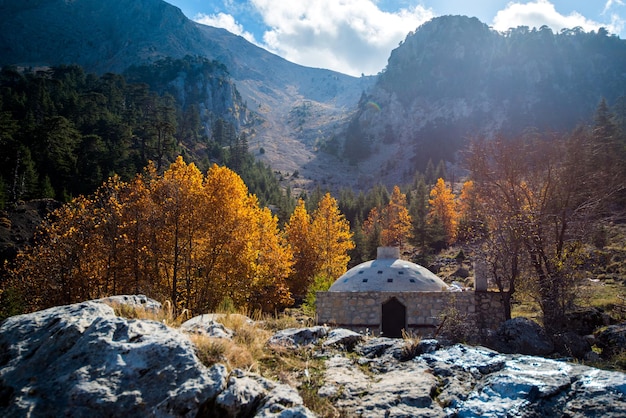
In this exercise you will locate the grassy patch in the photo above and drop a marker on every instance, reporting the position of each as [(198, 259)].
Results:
[(164, 315)]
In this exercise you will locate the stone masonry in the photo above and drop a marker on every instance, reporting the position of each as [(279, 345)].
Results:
[(362, 311)]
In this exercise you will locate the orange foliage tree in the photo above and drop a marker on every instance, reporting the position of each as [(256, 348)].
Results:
[(192, 239), (392, 222), (472, 222), (331, 230), (298, 234), (443, 210), (320, 243)]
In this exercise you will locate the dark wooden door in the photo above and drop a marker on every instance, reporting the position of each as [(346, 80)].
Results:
[(394, 318)]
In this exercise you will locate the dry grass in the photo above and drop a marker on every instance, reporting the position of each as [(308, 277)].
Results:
[(228, 352), (164, 315), (410, 350)]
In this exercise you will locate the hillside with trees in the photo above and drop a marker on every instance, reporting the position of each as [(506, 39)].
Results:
[(65, 131), (455, 78), (196, 240)]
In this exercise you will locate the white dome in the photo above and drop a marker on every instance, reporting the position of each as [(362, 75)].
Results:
[(388, 273)]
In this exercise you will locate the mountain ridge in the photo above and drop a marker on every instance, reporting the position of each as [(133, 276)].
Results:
[(111, 36), (455, 78), (450, 79)]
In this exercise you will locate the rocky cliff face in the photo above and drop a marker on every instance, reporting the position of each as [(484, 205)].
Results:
[(113, 35), (452, 79), (455, 78), (83, 360)]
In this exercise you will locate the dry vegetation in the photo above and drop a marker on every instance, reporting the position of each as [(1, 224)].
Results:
[(248, 350)]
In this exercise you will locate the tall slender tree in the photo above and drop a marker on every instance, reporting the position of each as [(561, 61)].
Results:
[(443, 209)]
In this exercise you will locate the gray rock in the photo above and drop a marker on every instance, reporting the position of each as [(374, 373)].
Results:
[(82, 360), (206, 325), (612, 340), (295, 337), (533, 386), (585, 321), (597, 393), (468, 381), (572, 345), (428, 346), (402, 390), (523, 336), (376, 347), (136, 301), (341, 337), (250, 395)]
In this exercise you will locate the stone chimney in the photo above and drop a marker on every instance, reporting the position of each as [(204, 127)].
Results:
[(387, 253), (480, 276)]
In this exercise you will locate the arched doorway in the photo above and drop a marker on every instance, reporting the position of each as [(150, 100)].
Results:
[(393, 318)]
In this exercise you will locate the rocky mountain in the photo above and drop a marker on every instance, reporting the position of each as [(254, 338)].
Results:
[(85, 360), (455, 78), (452, 78), (113, 35)]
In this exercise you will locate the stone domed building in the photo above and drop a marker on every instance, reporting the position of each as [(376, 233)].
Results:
[(389, 295)]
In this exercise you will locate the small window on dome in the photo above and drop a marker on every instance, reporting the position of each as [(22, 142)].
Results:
[(364, 280), (345, 280), (412, 280), (389, 280), (400, 272), (380, 272), (361, 272)]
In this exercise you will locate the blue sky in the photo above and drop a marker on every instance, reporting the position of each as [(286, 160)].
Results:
[(356, 36)]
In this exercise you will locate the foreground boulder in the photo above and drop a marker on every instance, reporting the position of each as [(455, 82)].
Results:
[(467, 382), (83, 361)]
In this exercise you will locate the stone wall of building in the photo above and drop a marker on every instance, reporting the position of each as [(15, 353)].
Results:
[(362, 311)]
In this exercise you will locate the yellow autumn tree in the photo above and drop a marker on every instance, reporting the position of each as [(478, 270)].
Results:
[(443, 210), (79, 252), (332, 238), (391, 224), (227, 250), (472, 222), (272, 266), (396, 221), (177, 224), (320, 244), (181, 236), (298, 235)]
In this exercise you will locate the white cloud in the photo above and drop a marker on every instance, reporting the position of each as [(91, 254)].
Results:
[(610, 3), (350, 36), (542, 12), (225, 21)]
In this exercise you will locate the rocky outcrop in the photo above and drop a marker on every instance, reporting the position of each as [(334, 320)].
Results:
[(84, 361), (612, 340), (523, 336), (206, 325), (467, 382), (585, 321), (296, 337)]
